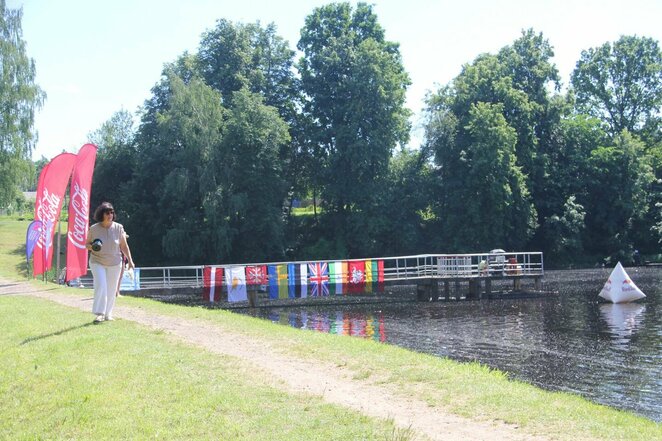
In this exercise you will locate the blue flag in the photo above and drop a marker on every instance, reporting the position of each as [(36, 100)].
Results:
[(292, 279), (31, 238), (273, 281)]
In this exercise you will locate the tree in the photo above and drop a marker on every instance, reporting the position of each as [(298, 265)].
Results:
[(354, 83), (648, 231), (621, 84), (181, 127), (117, 131), (20, 98), (564, 232), (567, 169), (487, 204), (233, 56), (243, 183), (516, 81), (519, 80), (402, 211), (115, 163), (618, 192)]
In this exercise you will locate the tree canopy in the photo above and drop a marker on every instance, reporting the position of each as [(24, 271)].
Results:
[(20, 98), (237, 133), (621, 84)]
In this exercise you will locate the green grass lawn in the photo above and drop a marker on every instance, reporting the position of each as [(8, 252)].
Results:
[(12, 247), (75, 379), (65, 378)]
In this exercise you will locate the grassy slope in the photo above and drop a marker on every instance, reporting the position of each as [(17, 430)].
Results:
[(64, 378), (466, 389)]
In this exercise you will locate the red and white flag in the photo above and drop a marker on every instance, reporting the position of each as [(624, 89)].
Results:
[(50, 196), (212, 279), (256, 275), (79, 211), (356, 276)]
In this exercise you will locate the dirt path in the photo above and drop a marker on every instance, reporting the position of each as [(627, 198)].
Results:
[(333, 384)]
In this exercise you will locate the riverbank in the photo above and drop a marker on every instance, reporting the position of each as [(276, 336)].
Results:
[(419, 395), (219, 361)]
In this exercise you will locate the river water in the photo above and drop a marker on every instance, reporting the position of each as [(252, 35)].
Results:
[(570, 341)]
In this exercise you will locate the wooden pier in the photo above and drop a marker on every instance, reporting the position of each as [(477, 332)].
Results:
[(436, 277), (442, 276), (478, 288)]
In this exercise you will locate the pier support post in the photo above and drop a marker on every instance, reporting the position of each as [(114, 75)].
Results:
[(435, 290), (447, 290), (488, 288), (252, 298), (458, 290), (473, 289), (537, 282), (426, 290)]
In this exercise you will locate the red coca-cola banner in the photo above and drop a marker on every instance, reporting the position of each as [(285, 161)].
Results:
[(50, 195), (79, 211)]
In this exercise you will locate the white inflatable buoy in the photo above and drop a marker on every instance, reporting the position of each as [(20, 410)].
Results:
[(619, 288)]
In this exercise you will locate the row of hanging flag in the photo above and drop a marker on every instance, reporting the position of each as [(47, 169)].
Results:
[(294, 280)]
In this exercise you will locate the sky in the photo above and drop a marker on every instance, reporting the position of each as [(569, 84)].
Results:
[(94, 58)]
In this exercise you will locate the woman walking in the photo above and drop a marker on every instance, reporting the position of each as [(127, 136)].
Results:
[(106, 242)]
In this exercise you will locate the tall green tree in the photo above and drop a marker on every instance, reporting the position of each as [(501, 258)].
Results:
[(236, 56), (402, 211), (561, 231), (527, 62), (20, 98), (565, 231), (520, 79), (485, 202), (517, 81), (646, 232), (181, 127), (619, 183), (354, 83), (621, 84), (233, 56), (243, 184), (115, 163)]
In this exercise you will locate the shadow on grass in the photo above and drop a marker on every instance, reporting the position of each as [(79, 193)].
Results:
[(21, 268), (54, 334)]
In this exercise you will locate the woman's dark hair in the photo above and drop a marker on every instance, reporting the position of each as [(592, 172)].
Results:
[(102, 209)]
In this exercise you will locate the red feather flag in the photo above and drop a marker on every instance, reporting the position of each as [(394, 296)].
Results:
[(79, 211), (51, 187)]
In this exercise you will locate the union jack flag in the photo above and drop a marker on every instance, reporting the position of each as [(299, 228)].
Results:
[(319, 279)]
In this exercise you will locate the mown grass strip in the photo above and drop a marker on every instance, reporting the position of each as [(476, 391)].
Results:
[(65, 378)]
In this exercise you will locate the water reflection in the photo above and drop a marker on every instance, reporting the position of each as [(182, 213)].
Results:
[(353, 324), (623, 319), (611, 354)]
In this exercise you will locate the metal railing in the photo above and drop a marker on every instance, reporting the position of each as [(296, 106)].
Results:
[(396, 269)]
